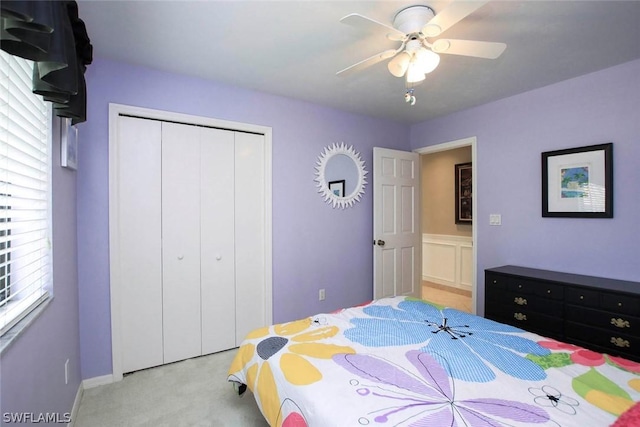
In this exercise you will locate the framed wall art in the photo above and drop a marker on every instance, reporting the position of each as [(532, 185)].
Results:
[(464, 193), (578, 182)]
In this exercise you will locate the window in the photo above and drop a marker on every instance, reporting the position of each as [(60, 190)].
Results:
[(25, 171)]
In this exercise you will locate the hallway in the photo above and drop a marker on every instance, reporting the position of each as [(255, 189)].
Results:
[(447, 296)]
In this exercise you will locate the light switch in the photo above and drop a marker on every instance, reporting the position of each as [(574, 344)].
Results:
[(495, 219)]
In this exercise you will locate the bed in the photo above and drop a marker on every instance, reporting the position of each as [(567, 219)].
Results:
[(402, 361)]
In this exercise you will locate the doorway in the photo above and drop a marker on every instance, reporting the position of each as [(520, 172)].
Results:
[(448, 246)]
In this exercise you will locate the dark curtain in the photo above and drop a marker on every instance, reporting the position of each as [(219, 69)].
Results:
[(51, 34)]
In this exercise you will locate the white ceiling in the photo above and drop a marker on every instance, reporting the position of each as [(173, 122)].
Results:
[(295, 48)]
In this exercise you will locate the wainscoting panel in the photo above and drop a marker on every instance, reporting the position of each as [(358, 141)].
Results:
[(448, 260)]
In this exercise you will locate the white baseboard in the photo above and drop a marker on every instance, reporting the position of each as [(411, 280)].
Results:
[(86, 384), (97, 381), (76, 405)]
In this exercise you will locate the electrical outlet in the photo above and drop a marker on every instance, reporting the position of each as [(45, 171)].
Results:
[(321, 295), (495, 219), (66, 372)]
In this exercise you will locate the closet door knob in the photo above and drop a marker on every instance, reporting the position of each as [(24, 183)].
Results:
[(180, 257), (218, 257)]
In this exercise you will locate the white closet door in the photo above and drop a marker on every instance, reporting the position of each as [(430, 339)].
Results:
[(249, 233), (140, 247), (181, 241), (217, 240)]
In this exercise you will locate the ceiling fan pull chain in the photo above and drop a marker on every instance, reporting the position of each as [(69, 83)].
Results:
[(409, 97)]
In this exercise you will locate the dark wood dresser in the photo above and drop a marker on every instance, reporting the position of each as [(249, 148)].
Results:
[(593, 312)]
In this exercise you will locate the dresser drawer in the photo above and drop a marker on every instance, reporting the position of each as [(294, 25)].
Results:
[(517, 301), (495, 284), (527, 319), (611, 301), (495, 287), (582, 297), (495, 281), (613, 322), (518, 284), (614, 342), (543, 289), (620, 303)]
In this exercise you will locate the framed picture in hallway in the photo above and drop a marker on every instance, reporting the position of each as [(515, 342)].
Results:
[(464, 193)]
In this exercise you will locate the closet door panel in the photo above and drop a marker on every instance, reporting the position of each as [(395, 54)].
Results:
[(140, 248), (249, 233), (217, 240), (181, 241)]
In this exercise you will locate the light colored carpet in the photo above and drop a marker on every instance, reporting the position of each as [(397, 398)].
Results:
[(193, 392)]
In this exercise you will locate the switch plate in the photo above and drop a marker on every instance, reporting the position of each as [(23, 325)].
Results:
[(495, 219), (321, 295)]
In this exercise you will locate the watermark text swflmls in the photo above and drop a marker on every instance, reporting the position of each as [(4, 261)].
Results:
[(34, 418)]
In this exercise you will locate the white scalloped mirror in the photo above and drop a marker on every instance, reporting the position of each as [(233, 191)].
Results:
[(340, 175)]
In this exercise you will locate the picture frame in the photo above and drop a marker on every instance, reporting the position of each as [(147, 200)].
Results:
[(464, 193), (337, 187), (68, 145), (578, 182)]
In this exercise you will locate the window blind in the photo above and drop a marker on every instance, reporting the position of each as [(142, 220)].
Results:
[(25, 254)]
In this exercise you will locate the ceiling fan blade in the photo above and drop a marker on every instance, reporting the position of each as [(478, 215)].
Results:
[(361, 21), (368, 62), (449, 16), (478, 49)]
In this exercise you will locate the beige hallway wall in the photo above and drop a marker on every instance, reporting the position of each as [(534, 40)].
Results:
[(438, 192)]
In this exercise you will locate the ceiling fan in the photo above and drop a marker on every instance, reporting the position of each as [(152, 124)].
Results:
[(413, 27)]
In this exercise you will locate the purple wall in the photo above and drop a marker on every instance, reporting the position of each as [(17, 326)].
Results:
[(511, 135), (32, 377), (314, 245)]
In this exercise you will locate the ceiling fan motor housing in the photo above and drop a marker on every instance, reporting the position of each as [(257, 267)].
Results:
[(412, 19)]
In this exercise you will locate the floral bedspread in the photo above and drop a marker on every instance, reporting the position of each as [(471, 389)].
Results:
[(407, 362)]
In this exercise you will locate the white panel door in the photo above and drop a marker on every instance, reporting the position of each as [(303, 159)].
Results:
[(138, 171), (249, 233), (181, 241), (217, 240), (396, 223)]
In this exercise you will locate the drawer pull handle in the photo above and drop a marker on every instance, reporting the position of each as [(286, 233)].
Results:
[(581, 296), (548, 291), (520, 301), (521, 317), (619, 342), (619, 304), (519, 286), (620, 323)]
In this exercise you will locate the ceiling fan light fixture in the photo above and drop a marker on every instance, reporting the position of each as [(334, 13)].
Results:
[(414, 73), (426, 60), (398, 65)]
